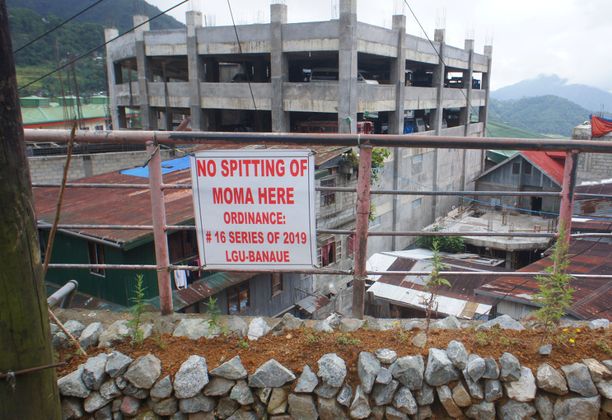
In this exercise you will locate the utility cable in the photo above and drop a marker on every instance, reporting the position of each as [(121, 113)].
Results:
[(44, 34), (74, 60)]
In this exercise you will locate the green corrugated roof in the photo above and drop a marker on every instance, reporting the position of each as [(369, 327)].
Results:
[(57, 113), (498, 156)]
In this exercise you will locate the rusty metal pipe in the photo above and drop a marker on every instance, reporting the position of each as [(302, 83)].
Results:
[(63, 294)]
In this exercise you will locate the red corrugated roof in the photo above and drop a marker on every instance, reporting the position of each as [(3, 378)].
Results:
[(548, 162)]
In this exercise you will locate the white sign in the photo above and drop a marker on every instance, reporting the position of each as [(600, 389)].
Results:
[(254, 209)]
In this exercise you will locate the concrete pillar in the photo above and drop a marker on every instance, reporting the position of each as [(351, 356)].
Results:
[(279, 69), (486, 85), (396, 118), (114, 77), (464, 116), (148, 116), (439, 75), (194, 68), (347, 67)]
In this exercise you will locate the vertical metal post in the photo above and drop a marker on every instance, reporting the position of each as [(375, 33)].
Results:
[(158, 213), (567, 194), (361, 229)]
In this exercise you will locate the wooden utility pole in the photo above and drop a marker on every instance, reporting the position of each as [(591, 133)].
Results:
[(25, 341)]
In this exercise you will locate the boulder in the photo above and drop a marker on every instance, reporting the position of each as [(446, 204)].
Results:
[(404, 401), (393, 414), (307, 381), (302, 407), (440, 369), (271, 375), (241, 393), (505, 322), (493, 390), (218, 387), (577, 408), (514, 410), (345, 395), (117, 363), (461, 396), (481, 411), (166, 407), (545, 350), (232, 369), (91, 334), (326, 391), (350, 324), (368, 367), (278, 401), (360, 407), (74, 327), (598, 371), (72, 408), (290, 322), (332, 370), (409, 370), (579, 379), (94, 402), (544, 406), (605, 389), (196, 404), (491, 369), (476, 367), (236, 325), (195, 328), (386, 356), (448, 323), (446, 399), (227, 408), (551, 380), (597, 324), (383, 394), (524, 389), (115, 333), (72, 385), (425, 395), (329, 409), (258, 328), (384, 376), (130, 406), (475, 388), (457, 354), (191, 377), (419, 340), (93, 371), (162, 388), (143, 372), (510, 368), (108, 390)]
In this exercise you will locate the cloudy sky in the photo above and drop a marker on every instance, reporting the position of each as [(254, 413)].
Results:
[(570, 38)]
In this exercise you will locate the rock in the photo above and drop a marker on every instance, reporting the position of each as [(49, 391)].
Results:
[(93, 371), (278, 401), (360, 407), (263, 394), (237, 326), (329, 409), (409, 370), (457, 354), (446, 399), (405, 402), (505, 322), (72, 409), (195, 328), (162, 388), (117, 363), (605, 389), (424, 413), (551, 380), (332, 369), (232, 369), (166, 407), (271, 375), (143, 372), (115, 333), (384, 376), (598, 371), (510, 368), (307, 382), (368, 367), (607, 407), (608, 364), (323, 326), (474, 388), (461, 396), (425, 395), (243, 415), (577, 408), (105, 413), (544, 406), (386, 356), (258, 328), (440, 369), (448, 323), (476, 367), (491, 369), (545, 350), (91, 334), (198, 403), (146, 330), (121, 382), (383, 394), (72, 385), (597, 324), (524, 389), (514, 410), (290, 322), (579, 379), (345, 395), (94, 402), (165, 324), (135, 392), (419, 340), (241, 393), (334, 320), (393, 414), (191, 377), (130, 406), (108, 390), (378, 413), (326, 391), (302, 407), (218, 387), (350, 324), (74, 327), (481, 411), (226, 408), (493, 390)]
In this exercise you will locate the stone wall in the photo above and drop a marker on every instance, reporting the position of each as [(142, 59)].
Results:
[(448, 383)]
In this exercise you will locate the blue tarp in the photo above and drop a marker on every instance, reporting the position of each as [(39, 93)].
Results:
[(168, 166)]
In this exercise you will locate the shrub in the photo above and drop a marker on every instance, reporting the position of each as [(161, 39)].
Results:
[(136, 311), (445, 243)]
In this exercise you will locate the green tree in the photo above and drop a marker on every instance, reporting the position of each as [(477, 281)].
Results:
[(433, 284)]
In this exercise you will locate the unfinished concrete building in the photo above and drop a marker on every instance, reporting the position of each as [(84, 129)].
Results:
[(328, 76)]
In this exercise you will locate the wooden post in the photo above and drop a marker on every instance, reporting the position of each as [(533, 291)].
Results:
[(567, 194), (361, 230), (24, 324)]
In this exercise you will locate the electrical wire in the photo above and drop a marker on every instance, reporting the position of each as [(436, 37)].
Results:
[(79, 57), (44, 34)]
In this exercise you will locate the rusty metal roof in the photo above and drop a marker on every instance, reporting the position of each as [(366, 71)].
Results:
[(129, 206), (592, 297), (206, 287)]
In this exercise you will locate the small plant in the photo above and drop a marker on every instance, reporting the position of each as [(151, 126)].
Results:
[(555, 294), (432, 285), (213, 311), (604, 346), (134, 324), (159, 342), (312, 339), (347, 340), (567, 337), (243, 344), (482, 338)]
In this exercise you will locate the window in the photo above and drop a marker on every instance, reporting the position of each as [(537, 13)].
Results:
[(328, 197), (277, 283), (96, 256), (182, 245), (350, 245), (99, 127), (238, 298), (516, 168), (328, 253), (417, 164), (527, 169)]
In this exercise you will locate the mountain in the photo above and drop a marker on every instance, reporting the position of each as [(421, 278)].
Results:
[(588, 97), (546, 115), (497, 129)]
